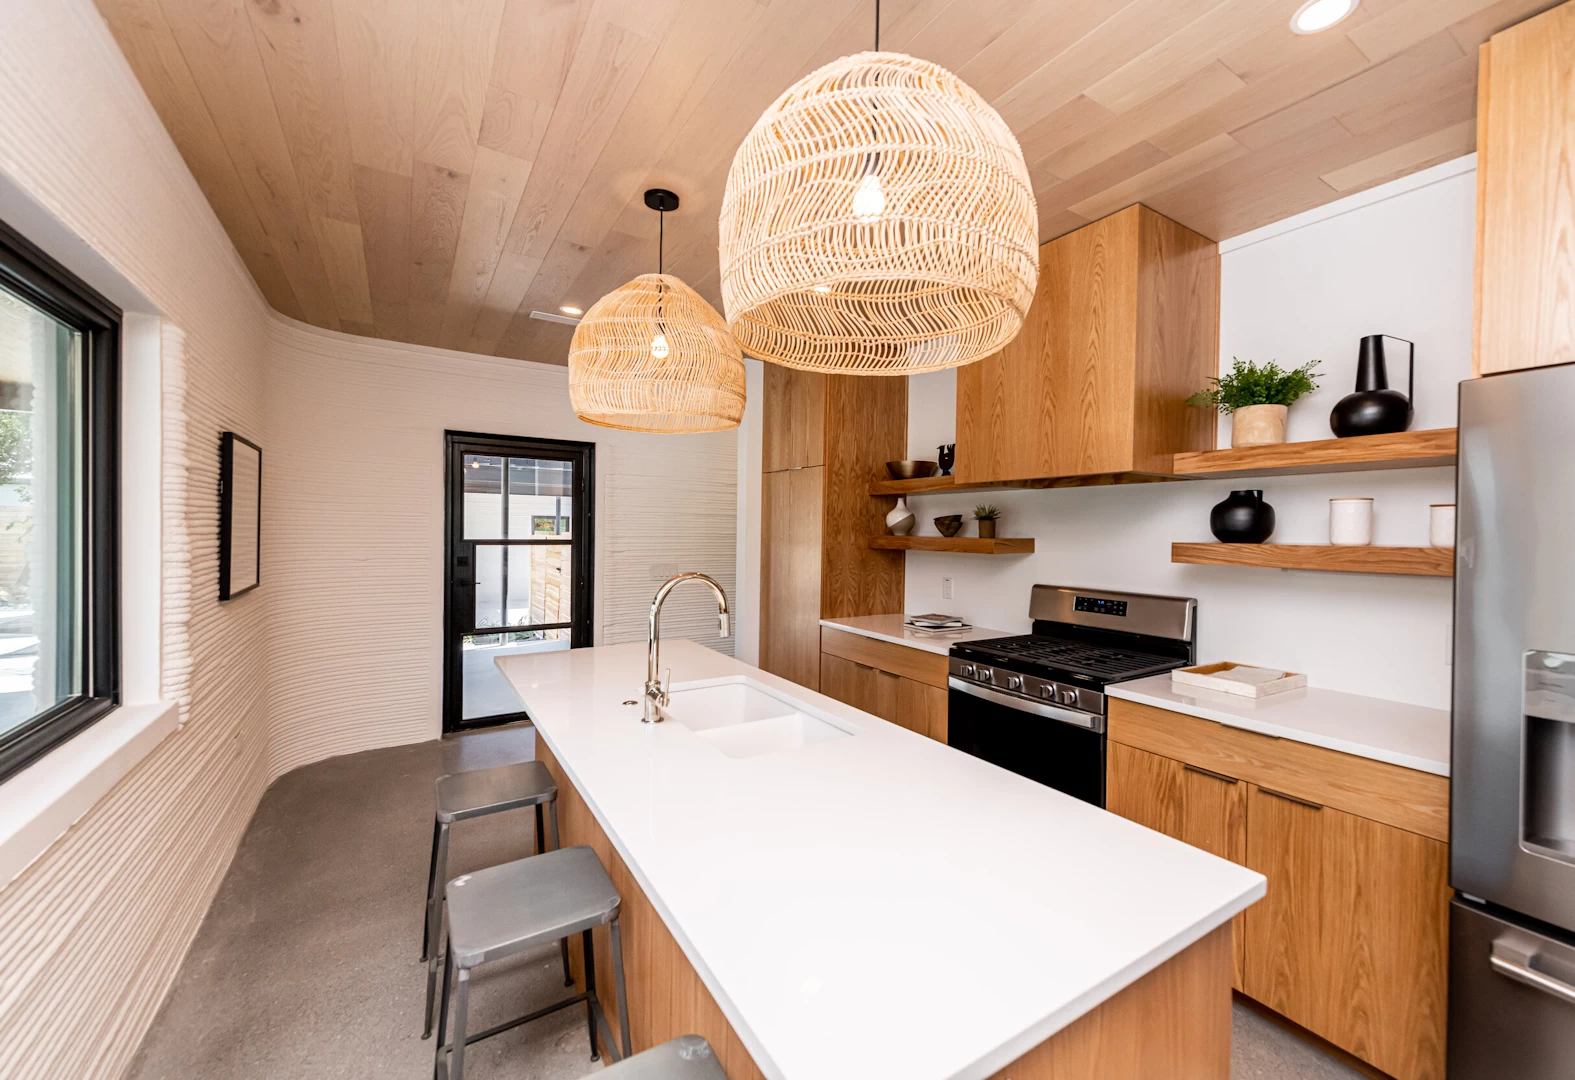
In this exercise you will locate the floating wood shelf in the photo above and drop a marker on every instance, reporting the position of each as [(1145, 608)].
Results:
[(1403, 450), (936, 485), (1427, 561), (975, 545)]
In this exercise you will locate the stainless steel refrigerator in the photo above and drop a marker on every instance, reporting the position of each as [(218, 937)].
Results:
[(1512, 803)]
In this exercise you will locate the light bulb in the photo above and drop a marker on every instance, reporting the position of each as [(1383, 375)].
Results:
[(868, 199), (659, 347), (822, 289)]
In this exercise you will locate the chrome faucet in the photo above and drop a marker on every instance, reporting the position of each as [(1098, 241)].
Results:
[(656, 690)]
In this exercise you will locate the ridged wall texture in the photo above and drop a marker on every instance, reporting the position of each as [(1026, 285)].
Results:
[(93, 931), (353, 527)]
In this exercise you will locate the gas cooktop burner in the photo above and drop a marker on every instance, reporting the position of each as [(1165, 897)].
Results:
[(1075, 656)]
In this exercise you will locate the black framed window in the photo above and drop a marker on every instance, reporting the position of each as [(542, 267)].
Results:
[(59, 504)]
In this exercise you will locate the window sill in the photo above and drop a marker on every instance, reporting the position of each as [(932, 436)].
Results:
[(44, 800)]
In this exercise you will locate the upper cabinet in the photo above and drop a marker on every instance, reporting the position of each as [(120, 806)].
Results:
[(1123, 328), (1526, 195)]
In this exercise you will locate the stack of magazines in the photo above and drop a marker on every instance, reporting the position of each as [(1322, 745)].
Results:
[(935, 624)]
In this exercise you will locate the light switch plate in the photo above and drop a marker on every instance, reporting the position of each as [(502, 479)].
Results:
[(946, 588)]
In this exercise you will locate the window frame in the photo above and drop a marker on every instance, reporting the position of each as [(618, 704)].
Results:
[(41, 281)]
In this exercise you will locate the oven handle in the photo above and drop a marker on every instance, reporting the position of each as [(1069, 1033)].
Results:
[(1091, 721)]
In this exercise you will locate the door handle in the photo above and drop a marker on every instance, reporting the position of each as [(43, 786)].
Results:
[(1291, 798), (1208, 772), (1512, 968)]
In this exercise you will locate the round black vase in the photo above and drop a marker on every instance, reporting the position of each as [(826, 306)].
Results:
[(1243, 518), (1370, 412)]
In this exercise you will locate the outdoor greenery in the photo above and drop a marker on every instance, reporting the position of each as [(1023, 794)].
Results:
[(16, 446), (1248, 384), (986, 512)]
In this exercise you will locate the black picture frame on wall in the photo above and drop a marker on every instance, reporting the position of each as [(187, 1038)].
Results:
[(240, 516)]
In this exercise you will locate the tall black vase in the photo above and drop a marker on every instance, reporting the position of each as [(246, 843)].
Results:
[(1374, 409), (1243, 518)]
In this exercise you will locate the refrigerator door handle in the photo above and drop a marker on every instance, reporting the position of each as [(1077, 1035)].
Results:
[(1510, 966)]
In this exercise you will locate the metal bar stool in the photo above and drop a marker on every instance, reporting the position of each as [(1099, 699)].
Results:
[(504, 910), (474, 794), (687, 1057)]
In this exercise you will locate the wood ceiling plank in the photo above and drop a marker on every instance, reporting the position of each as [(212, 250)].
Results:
[(1451, 142), (1476, 28), (144, 37), (1018, 53), (377, 53), (437, 206), (383, 199), (215, 38), (453, 59), (537, 42), (1107, 174), (1408, 23), (962, 30), (512, 123), (344, 258), (1450, 89), (1078, 119), (300, 56), (1161, 177), (496, 183)]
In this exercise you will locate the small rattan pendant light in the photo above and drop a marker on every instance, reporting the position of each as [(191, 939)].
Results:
[(652, 355), (878, 220)]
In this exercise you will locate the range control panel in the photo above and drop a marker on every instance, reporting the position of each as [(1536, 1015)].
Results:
[(1098, 605)]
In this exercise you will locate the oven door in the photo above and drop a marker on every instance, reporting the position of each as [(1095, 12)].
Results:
[(1062, 748)]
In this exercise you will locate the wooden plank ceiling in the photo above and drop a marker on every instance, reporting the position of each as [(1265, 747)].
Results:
[(430, 171)]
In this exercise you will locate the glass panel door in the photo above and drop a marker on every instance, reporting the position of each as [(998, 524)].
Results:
[(519, 565)]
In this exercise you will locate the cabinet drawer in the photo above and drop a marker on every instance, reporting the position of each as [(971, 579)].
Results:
[(1404, 798), (916, 664)]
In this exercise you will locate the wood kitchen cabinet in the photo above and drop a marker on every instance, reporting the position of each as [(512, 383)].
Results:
[(824, 439), (1124, 326), (1351, 939), (1525, 195), (905, 686)]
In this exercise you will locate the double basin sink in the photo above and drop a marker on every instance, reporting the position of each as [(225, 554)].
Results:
[(744, 718)]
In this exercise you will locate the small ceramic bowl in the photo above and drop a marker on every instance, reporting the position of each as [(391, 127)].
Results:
[(911, 470), (950, 525)]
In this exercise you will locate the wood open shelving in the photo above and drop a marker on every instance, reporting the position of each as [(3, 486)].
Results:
[(972, 545), (1402, 450), (1425, 561), (937, 485)]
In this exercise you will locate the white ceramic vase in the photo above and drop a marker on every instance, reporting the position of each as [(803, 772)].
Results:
[(1441, 525), (899, 521), (1350, 522), (1258, 425)]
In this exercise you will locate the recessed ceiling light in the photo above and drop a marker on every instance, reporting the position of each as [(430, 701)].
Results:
[(1316, 15), (570, 309)]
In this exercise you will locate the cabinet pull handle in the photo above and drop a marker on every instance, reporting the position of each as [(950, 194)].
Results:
[(866, 667), (1291, 798), (1208, 772)]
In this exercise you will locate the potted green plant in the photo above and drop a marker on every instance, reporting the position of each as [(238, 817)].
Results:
[(1258, 399), (986, 514)]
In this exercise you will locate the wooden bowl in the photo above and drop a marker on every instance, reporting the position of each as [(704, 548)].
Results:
[(911, 470), (950, 525)]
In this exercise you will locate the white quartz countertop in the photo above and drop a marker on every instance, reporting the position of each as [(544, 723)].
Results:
[(890, 628), (1413, 736), (873, 906)]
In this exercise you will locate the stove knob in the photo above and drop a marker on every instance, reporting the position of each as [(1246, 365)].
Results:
[(987, 674), (1014, 682), (1069, 696), (1047, 691), (968, 671)]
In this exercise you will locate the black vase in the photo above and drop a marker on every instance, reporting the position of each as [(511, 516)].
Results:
[(1244, 518), (1374, 409), (948, 455)]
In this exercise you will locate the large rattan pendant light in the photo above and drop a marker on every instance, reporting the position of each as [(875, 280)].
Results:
[(878, 220), (652, 355)]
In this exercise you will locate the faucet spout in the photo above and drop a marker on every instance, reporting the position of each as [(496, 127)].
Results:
[(655, 689)]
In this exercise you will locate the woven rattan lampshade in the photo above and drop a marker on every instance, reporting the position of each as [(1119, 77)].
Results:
[(930, 264), (653, 356)]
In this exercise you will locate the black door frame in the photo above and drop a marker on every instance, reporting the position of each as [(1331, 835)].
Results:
[(459, 574)]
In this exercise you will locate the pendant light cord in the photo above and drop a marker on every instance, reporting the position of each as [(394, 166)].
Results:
[(877, 25), (661, 237)]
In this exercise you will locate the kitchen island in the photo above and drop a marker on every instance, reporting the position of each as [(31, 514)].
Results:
[(872, 903)]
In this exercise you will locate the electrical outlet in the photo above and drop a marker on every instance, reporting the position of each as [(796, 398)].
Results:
[(946, 588)]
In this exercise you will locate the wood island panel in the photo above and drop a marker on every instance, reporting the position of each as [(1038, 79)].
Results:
[(1174, 1021), (919, 664)]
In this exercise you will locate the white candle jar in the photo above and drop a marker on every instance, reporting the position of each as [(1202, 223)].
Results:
[(1350, 522), (1441, 525)]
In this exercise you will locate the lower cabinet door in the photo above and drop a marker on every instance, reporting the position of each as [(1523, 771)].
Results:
[(1205, 809), (922, 708), (860, 685), (1351, 941)]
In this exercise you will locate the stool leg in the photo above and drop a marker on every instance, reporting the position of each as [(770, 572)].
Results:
[(541, 842), (456, 1056), (437, 1061), (563, 943), (618, 985), (426, 923), (590, 990), (435, 921)]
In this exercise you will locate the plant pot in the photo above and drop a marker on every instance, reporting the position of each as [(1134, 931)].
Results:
[(1243, 518), (987, 528), (1258, 425)]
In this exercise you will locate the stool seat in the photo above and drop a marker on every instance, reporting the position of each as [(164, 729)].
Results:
[(687, 1057), (504, 910), (491, 791)]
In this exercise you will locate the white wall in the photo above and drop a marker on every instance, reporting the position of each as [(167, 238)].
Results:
[(353, 527), (1397, 259)]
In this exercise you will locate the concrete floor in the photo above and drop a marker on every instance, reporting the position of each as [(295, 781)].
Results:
[(306, 964)]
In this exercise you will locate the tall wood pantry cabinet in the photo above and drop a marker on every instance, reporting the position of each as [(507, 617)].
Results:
[(1526, 195), (824, 439)]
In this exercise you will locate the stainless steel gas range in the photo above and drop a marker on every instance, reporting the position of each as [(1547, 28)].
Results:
[(1035, 703)]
